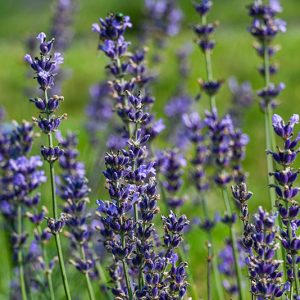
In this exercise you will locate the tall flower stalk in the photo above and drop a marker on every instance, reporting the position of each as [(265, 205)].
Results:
[(227, 143), (45, 68), (127, 230), (20, 175), (74, 190), (285, 176), (264, 28), (194, 128), (206, 44)]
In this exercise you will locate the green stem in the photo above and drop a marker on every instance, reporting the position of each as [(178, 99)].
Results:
[(20, 256), (52, 180), (103, 280), (193, 288), (128, 284), (127, 280), (216, 272), (234, 245), (55, 215), (87, 277), (62, 266), (270, 137), (50, 285), (209, 267), (48, 272), (136, 212), (209, 71)]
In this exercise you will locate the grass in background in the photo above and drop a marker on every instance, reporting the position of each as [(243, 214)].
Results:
[(233, 56)]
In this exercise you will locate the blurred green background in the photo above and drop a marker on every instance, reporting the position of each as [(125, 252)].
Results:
[(233, 55)]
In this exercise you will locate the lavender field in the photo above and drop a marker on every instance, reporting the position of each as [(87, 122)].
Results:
[(148, 149)]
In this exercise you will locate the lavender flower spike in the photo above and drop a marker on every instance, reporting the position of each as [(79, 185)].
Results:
[(264, 271), (285, 178), (140, 268), (45, 67), (264, 28)]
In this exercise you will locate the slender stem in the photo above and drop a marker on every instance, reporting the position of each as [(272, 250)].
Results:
[(234, 245), (128, 284), (20, 256), (209, 71), (291, 292), (48, 272), (52, 179), (62, 266), (55, 215), (216, 272), (209, 267), (87, 277), (127, 280), (103, 280), (194, 291), (270, 137)]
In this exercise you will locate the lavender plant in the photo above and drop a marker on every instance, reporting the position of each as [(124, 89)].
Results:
[(143, 257), (285, 176), (162, 18), (128, 232), (265, 26), (99, 111), (227, 143), (180, 103), (226, 265), (171, 163), (204, 32), (62, 31), (20, 177), (73, 189), (242, 100), (45, 68)]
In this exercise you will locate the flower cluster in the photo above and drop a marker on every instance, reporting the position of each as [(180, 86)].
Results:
[(265, 276), (99, 110), (227, 148), (73, 189), (285, 177), (180, 103), (45, 68), (203, 33), (242, 99), (130, 76), (62, 22), (227, 268), (241, 195), (265, 26), (127, 228), (20, 177), (131, 184), (62, 32), (163, 18), (204, 30), (194, 127), (171, 163)]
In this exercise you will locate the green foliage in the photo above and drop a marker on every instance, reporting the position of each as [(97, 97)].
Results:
[(233, 56)]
